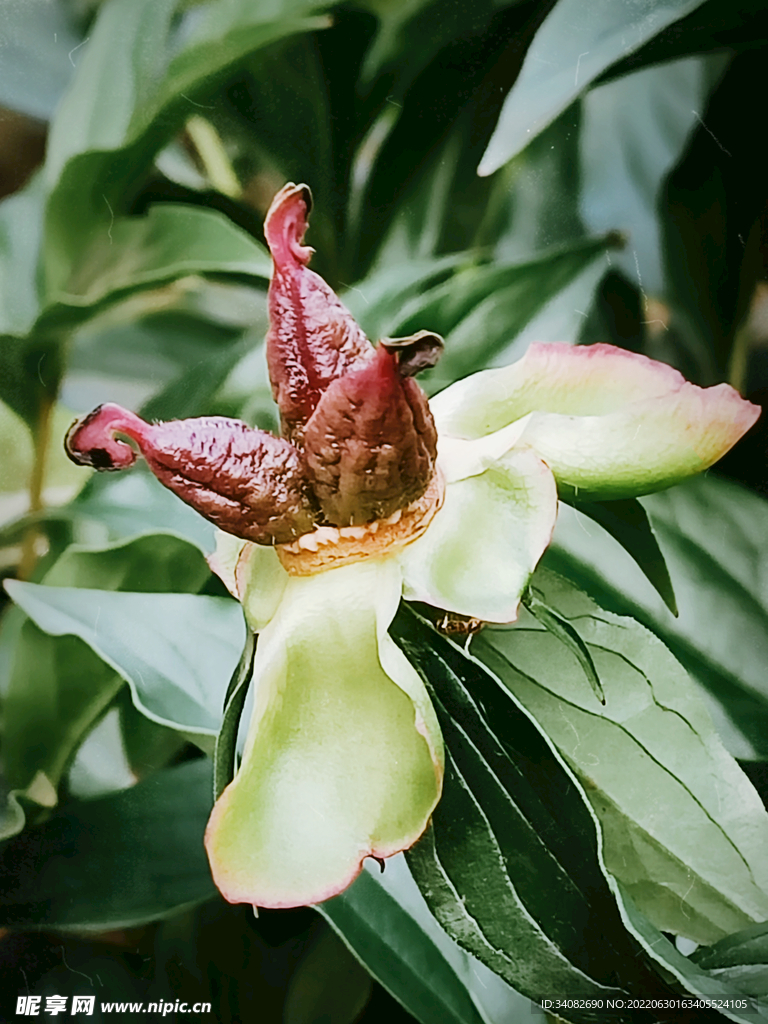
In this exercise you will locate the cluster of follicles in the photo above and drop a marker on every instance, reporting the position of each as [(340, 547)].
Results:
[(358, 446)]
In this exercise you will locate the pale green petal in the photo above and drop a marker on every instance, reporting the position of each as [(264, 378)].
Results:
[(343, 758), (252, 573), (459, 459), (609, 423), (224, 559), (479, 551), (261, 582)]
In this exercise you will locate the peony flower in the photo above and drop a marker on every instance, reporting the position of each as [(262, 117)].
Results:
[(372, 494)]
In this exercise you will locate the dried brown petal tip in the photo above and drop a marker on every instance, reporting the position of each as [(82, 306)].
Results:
[(371, 443), (418, 352), (312, 338)]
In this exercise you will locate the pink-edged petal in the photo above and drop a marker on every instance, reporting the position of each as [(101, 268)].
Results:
[(588, 380), (651, 445), (343, 759), (581, 380), (479, 552), (609, 423)]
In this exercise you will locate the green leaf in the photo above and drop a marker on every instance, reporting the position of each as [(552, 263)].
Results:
[(623, 161), (713, 536), (291, 83), (697, 982), (40, 792), (133, 254), (698, 869), (577, 41), (480, 309), (132, 504), (39, 44), (224, 759), (511, 866), (92, 118), (154, 337), (627, 522), (61, 478), (415, 224), (707, 210), (716, 25), (16, 450), (193, 392), (56, 691), (749, 978), (168, 242), (21, 226), (29, 369), (749, 946), (156, 563), (392, 943), (12, 817), (148, 747), (414, 177), (175, 651), (483, 913), (410, 34), (563, 630), (57, 686), (229, 33), (739, 961), (539, 200), (102, 140), (561, 320), (113, 862), (376, 302), (20, 387)]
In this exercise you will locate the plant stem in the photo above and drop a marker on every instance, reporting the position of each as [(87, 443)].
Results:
[(739, 361), (213, 156), (42, 444)]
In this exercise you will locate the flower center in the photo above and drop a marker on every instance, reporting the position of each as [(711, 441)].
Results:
[(328, 547)]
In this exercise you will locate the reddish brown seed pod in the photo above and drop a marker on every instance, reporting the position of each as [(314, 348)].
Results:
[(245, 481), (312, 338), (360, 443), (371, 443)]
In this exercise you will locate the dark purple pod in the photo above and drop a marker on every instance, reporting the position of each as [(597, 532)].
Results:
[(371, 443), (244, 481), (312, 337)]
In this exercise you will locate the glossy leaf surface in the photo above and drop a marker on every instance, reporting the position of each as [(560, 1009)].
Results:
[(392, 943), (683, 828), (627, 522), (175, 651), (113, 862), (98, 144), (511, 805), (711, 533), (578, 41)]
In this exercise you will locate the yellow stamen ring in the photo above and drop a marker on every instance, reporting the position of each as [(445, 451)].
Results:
[(328, 547)]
